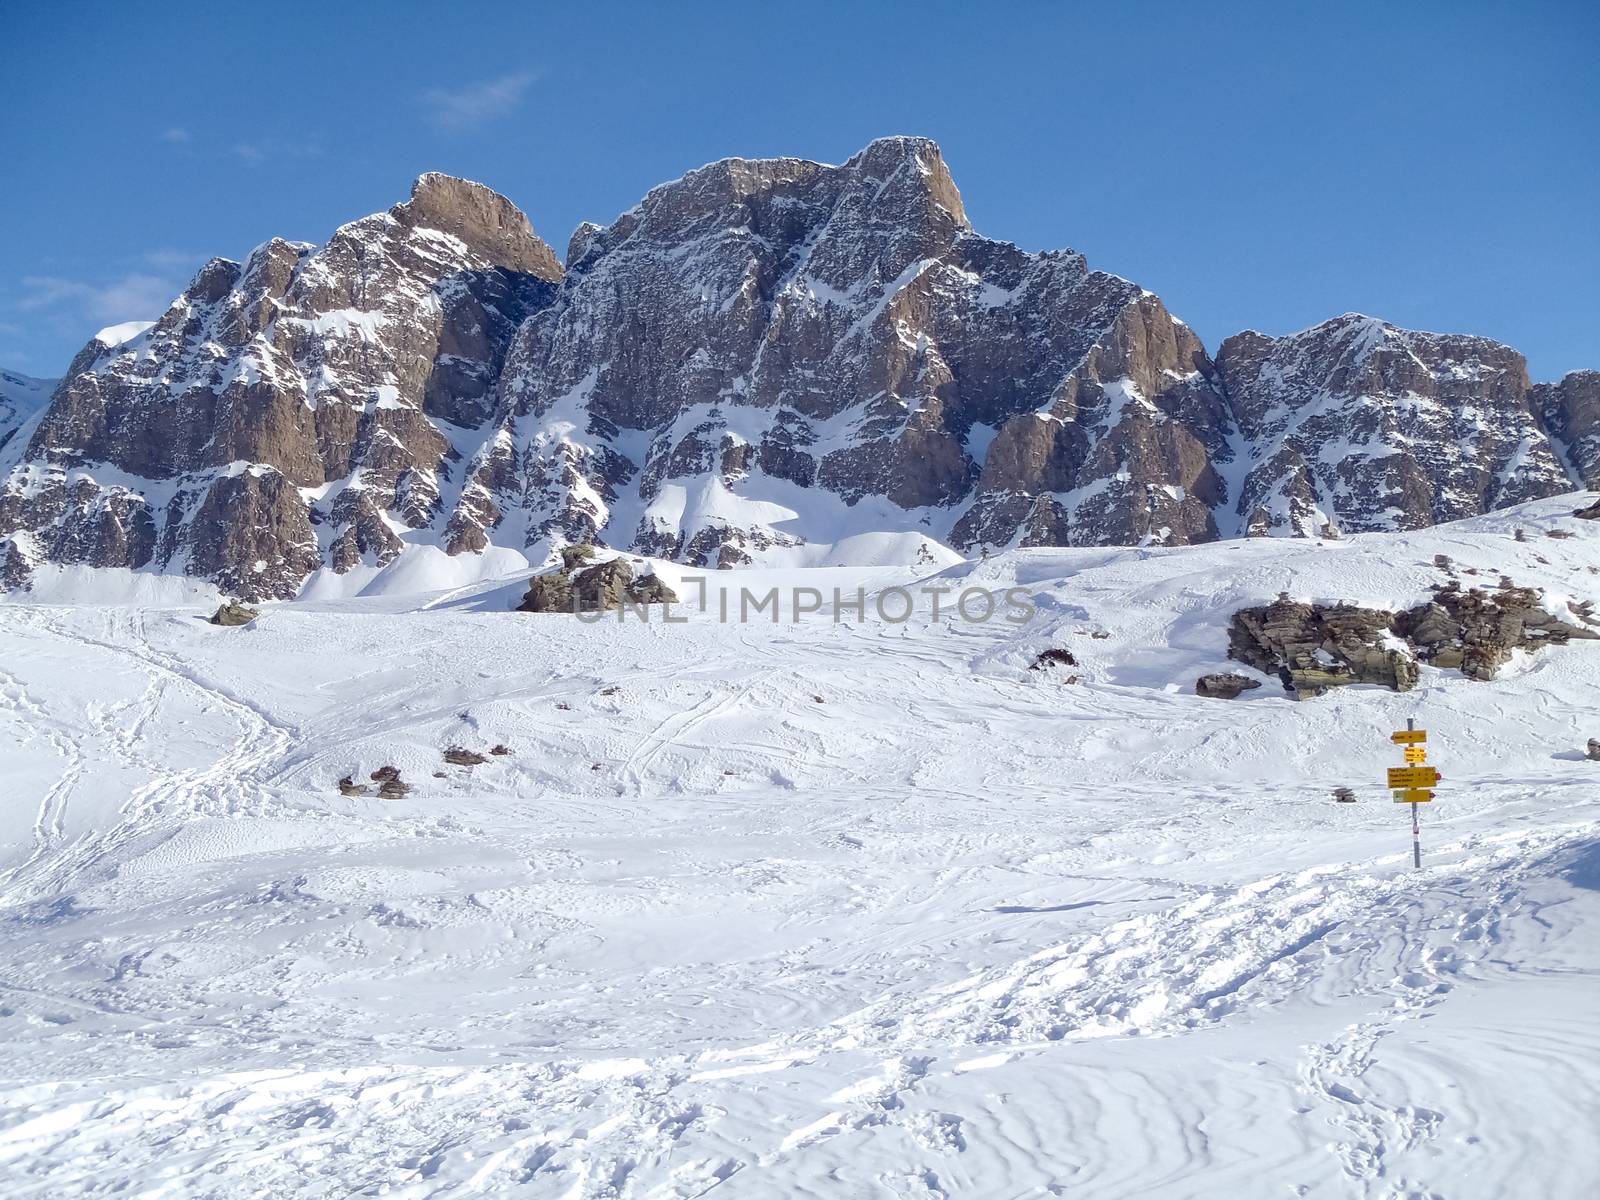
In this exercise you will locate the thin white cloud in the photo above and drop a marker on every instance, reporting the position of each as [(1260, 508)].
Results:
[(170, 260), (250, 153), (470, 106), (134, 296), (175, 135)]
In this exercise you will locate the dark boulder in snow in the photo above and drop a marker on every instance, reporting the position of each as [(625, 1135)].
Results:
[(233, 614), (1225, 685)]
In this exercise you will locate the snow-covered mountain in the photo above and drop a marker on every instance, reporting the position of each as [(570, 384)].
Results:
[(295, 411), (763, 353), (1359, 425), (20, 397), (760, 359)]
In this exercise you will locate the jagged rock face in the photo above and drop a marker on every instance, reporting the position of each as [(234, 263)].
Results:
[(761, 327), (291, 412), (1313, 647), (1364, 426), (1571, 411)]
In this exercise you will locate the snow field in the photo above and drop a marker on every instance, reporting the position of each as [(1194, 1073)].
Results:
[(806, 909)]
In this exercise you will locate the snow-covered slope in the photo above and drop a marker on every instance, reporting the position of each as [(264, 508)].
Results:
[(814, 908), (21, 396)]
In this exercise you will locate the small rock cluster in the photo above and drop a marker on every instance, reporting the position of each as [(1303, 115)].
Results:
[(1314, 647), (390, 785), (604, 586)]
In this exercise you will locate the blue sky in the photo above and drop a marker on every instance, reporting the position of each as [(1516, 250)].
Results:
[(1259, 166)]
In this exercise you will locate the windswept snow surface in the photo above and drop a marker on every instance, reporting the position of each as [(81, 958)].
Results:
[(848, 909)]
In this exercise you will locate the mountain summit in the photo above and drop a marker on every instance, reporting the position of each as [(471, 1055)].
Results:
[(759, 359)]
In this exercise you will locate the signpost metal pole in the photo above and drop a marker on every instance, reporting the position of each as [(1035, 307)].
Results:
[(1416, 830)]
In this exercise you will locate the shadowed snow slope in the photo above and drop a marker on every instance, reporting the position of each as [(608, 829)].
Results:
[(817, 908)]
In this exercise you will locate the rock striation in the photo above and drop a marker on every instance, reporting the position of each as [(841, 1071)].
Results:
[(759, 354)]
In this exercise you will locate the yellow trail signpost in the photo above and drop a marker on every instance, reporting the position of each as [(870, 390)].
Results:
[(1411, 783)]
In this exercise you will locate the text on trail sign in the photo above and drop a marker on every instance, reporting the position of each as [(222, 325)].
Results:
[(1408, 737), (1413, 777)]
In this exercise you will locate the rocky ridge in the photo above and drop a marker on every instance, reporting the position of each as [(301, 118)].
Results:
[(759, 355)]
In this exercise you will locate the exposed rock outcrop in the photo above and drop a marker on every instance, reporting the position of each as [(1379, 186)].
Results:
[(783, 324), (1313, 647), (390, 785), (1055, 656), (233, 614), (1477, 631), (604, 586)]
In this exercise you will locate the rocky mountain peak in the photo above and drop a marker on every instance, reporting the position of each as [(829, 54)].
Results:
[(1357, 424), (485, 221), (1570, 409), (288, 413), (909, 168)]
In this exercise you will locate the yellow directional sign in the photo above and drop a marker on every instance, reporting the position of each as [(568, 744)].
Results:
[(1416, 754), (1407, 737), (1413, 796), (1413, 777)]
